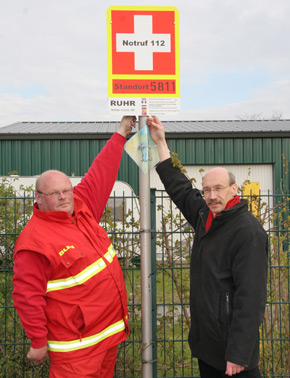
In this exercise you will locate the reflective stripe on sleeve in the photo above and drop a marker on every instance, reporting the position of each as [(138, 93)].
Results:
[(84, 275), (68, 346)]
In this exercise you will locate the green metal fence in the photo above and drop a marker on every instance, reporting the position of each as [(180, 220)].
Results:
[(172, 238)]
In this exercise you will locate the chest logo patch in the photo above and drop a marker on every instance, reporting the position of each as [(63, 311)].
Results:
[(63, 251)]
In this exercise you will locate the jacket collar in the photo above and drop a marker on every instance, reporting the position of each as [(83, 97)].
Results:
[(241, 206)]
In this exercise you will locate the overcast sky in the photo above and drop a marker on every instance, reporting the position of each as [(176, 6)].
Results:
[(234, 59)]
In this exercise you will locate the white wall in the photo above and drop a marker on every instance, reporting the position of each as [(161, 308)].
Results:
[(262, 173)]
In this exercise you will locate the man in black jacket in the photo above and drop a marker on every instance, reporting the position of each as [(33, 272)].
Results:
[(228, 271)]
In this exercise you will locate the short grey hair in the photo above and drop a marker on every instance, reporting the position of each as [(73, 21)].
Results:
[(37, 184), (232, 178)]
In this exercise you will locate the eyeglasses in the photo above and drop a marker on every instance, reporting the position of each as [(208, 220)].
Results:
[(56, 194), (216, 189)]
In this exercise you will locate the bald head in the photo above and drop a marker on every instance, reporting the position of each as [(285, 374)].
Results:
[(222, 172), (54, 192), (50, 175)]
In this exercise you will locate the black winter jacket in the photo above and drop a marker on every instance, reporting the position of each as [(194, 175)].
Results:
[(228, 276)]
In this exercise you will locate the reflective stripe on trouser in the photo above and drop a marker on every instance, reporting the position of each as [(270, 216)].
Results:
[(100, 365), (84, 275), (69, 346)]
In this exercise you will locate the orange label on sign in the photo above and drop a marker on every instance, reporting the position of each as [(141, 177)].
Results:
[(144, 86)]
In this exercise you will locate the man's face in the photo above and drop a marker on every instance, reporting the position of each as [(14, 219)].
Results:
[(54, 192), (217, 189)]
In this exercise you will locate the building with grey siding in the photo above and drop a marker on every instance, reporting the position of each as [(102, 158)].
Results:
[(261, 147)]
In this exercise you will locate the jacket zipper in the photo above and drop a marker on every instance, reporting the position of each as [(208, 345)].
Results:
[(228, 307)]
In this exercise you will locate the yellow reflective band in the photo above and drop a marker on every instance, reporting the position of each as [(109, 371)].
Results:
[(110, 254), (83, 276), (69, 346), (80, 278)]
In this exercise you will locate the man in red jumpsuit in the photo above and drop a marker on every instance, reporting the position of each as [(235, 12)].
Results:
[(69, 289)]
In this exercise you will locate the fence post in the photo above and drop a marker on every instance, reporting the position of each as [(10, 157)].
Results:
[(154, 288)]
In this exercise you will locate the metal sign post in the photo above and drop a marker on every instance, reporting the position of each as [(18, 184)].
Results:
[(146, 293)]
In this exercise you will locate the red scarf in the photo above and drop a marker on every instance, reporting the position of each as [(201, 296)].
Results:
[(231, 203)]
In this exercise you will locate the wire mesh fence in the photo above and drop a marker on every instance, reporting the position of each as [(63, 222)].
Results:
[(172, 238)]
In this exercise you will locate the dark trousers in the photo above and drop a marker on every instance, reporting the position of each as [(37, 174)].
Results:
[(207, 371)]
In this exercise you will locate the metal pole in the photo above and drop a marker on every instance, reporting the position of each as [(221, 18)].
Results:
[(146, 270)]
